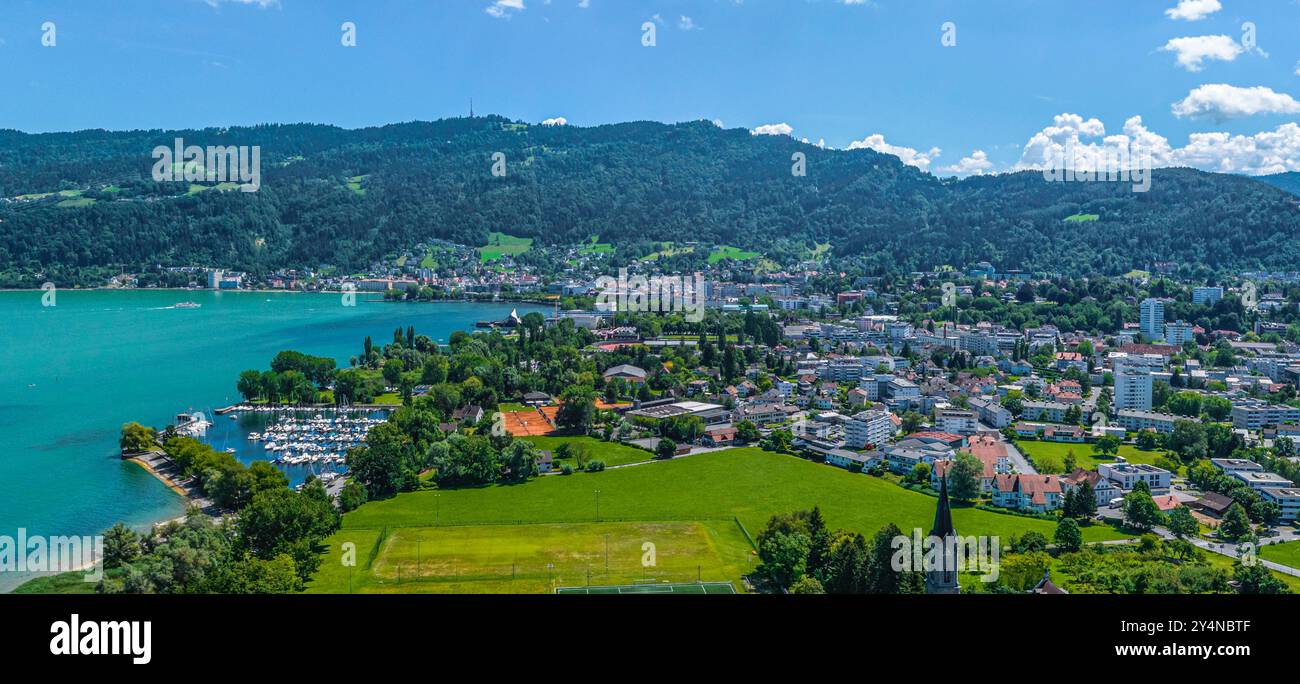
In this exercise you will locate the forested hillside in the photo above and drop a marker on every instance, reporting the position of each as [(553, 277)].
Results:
[(347, 197)]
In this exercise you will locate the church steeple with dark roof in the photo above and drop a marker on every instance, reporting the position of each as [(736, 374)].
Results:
[(944, 580)]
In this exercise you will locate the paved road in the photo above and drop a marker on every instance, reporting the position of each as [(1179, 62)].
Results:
[(1018, 460), (1230, 549)]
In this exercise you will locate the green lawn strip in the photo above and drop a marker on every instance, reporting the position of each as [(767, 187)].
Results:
[(612, 453), (1049, 457)]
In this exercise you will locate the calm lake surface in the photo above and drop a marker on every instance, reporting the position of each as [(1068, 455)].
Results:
[(72, 374)]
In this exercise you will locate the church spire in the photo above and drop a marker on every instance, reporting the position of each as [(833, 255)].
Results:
[(943, 514), (943, 580)]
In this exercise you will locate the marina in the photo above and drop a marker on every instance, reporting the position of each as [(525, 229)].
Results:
[(97, 361), (303, 442)]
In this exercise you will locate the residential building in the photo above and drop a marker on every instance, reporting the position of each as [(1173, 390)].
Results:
[(1152, 319), (1103, 490), (1126, 475), (1253, 414), (1044, 410), (1206, 296), (1236, 465), (991, 412), (905, 455), (1134, 420), (851, 459), (958, 421), (869, 428), (1286, 498), (1179, 332), (1259, 481), (1026, 492), (1132, 388)]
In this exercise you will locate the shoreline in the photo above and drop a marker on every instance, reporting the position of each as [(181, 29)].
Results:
[(171, 483), (294, 292)]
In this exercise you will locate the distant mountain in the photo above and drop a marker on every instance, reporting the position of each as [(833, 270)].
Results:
[(347, 197), (1289, 181)]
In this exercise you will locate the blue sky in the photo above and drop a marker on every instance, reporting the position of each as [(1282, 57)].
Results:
[(1023, 73)]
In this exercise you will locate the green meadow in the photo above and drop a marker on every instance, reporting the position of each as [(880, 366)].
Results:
[(531, 559), (745, 485), (1049, 457), (733, 253), (501, 245), (612, 453)]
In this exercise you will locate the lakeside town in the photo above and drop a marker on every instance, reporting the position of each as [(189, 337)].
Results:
[(1174, 419)]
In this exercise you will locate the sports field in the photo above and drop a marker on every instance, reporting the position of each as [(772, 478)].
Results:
[(698, 588), (514, 559), (479, 539)]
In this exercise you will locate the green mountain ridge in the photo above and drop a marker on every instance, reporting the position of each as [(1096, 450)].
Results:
[(630, 183)]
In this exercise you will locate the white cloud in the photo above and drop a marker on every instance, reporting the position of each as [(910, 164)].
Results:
[(687, 24), (773, 129), (1193, 10), (502, 9), (1192, 50), (1222, 101), (977, 164), (584, 4), (908, 155), (1265, 152), (557, 121)]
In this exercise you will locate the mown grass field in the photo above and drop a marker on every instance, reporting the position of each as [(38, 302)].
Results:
[(514, 559), (1049, 457), (1287, 553), (612, 453), (500, 245), (707, 489), (734, 253)]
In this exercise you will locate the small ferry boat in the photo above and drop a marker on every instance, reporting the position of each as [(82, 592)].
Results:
[(189, 305)]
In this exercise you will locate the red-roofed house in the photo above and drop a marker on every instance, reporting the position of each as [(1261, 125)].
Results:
[(1037, 493)]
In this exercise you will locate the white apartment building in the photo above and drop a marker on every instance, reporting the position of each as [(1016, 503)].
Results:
[(1127, 475), (1286, 498), (991, 412), (1134, 420), (1253, 414), (1133, 388), (1152, 319), (1236, 465), (1206, 296), (1260, 481), (956, 421), (869, 428), (1179, 332)]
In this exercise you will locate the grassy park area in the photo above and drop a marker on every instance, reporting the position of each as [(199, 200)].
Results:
[(612, 453), (476, 534), (1049, 457), (502, 245)]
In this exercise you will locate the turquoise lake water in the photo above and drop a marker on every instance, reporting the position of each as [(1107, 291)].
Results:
[(73, 373)]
